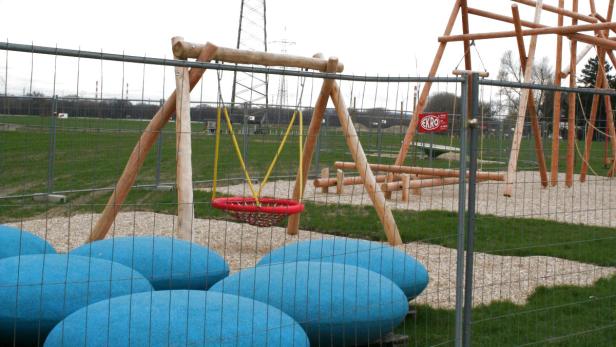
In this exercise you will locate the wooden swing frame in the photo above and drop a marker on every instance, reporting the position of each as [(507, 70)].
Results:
[(179, 101)]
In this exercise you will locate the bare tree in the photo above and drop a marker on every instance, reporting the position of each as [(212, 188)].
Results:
[(510, 70)]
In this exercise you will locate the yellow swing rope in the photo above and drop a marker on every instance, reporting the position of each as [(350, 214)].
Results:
[(216, 147), (255, 195), (277, 155)]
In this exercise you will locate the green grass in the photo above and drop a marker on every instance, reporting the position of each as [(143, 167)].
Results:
[(91, 153), (558, 316)]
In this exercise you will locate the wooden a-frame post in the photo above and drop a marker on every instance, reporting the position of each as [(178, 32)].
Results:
[(142, 148), (524, 96), (331, 90), (532, 108)]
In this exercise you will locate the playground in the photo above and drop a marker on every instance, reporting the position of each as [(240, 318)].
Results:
[(461, 208)]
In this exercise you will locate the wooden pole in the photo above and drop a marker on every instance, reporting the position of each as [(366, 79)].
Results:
[(425, 91), (582, 53), (572, 102), (339, 181), (418, 170), (324, 175), (532, 108), (591, 124), (406, 184), (183, 133), (588, 140), (557, 103), (609, 115), (573, 14), (139, 153), (310, 142), (564, 30), (524, 96), (424, 183), (362, 166), (325, 182), (468, 65), (601, 41), (185, 49)]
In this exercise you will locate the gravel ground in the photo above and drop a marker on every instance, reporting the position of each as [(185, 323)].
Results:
[(496, 278), (590, 203)]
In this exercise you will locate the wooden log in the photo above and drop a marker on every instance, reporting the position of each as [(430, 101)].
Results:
[(425, 91), (557, 106), (424, 183), (582, 53), (609, 115), (339, 182), (532, 108), (572, 102), (417, 170), (311, 139), (524, 96), (362, 166), (574, 15), (356, 180), (406, 183), (603, 42), (591, 123), (588, 140), (140, 151), (564, 30), (185, 49), (325, 175), (183, 133), (467, 52)]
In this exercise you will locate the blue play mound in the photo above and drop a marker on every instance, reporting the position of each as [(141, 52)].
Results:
[(336, 304), (166, 262), (38, 291), (410, 275), (15, 241), (178, 318)]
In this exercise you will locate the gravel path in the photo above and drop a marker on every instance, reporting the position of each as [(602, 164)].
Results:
[(496, 278), (590, 203)]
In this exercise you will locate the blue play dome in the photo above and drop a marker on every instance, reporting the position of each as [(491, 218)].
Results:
[(335, 303), (168, 263), (38, 291), (410, 275), (15, 241), (178, 318)]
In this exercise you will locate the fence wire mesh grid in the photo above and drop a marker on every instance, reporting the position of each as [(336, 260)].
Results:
[(539, 267)]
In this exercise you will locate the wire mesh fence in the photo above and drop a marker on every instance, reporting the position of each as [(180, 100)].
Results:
[(538, 269)]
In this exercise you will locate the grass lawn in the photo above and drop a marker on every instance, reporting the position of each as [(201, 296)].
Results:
[(91, 153)]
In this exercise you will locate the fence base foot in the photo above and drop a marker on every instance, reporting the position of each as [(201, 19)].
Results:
[(50, 197), (391, 340), (162, 188)]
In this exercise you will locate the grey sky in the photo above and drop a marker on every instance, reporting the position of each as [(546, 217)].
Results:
[(388, 37)]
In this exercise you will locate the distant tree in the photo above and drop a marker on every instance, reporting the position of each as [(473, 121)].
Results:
[(588, 75), (510, 70)]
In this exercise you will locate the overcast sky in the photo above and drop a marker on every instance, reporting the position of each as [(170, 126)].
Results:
[(387, 37)]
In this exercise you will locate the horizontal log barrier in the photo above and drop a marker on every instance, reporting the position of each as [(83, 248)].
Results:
[(185, 50), (422, 183), (492, 176), (355, 180)]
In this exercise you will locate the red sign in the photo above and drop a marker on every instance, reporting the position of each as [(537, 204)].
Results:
[(434, 122)]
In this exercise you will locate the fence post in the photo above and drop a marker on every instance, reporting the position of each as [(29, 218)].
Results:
[(159, 149), (470, 221), (461, 215), (245, 132), (52, 145), (379, 139)]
